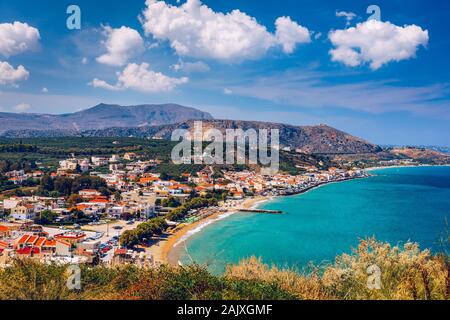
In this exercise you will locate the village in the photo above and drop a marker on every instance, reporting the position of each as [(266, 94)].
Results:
[(87, 226)]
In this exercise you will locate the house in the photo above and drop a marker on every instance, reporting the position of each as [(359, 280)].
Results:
[(30, 244), (115, 212), (71, 237), (23, 212), (130, 156), (68, 165), (89, 193), (10, 203), (114, 158), (99, 161), (4, 231)]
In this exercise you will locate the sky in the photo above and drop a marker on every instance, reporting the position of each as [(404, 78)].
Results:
[(383, 77)]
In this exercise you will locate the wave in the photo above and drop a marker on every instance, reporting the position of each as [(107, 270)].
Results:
[(201, 226)]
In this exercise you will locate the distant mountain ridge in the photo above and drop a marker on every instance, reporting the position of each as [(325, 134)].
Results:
[(320, 139), (100, 117)]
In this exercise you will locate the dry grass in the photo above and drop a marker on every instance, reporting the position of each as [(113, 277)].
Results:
[(406, 273)]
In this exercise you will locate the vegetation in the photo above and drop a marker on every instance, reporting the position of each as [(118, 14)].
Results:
[(46, 217), (196, 203), (67, 186), (406, 274), (144, 231), (156, 226)]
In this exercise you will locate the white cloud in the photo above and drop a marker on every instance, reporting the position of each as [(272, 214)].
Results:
[(141, 78), (44, 90), (289, 33), (17, 38), (121, 45), (10, 76), (195, 30), (227, 91), (349, 16), (191, 67), (97, 83), (22, 107), (84, 60), (377, 43)]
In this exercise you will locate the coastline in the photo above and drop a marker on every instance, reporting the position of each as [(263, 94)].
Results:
[(167, 251)]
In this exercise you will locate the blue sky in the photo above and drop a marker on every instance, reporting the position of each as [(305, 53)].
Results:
[(300, 62)]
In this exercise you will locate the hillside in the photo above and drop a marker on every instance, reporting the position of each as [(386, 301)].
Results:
[(159, 121), (310, 139), (421, 154), (98, 117)]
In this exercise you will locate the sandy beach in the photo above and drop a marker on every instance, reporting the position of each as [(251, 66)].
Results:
[(167, 251)]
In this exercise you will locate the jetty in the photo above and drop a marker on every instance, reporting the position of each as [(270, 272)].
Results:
[(261, 211)]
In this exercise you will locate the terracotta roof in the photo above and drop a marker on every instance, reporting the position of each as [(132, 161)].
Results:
[(64, 243), (24, 239), (147, 180), (32, 239), (70, 236), (50, 243), (4, 229), (40, 242), (28, 250), (99, 201), (120, 252)]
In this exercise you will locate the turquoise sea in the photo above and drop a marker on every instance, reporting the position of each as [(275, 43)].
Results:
[(396, 205)]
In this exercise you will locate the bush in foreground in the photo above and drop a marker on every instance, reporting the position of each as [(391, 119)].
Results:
[(406, 273)]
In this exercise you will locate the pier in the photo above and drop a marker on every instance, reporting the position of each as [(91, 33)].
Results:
[(261, 211)]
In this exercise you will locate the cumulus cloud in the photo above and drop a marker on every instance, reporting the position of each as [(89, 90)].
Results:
[(44, 90), (289, 33), (22, 107), (141, 78), (121, 45), (191, 67), (195, 30), (17, 38), (377, 43), (10, 76), (97, 83), (349, 16)]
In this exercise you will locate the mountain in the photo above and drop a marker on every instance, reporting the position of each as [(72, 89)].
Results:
[(159, 121), (320, 139), (100, 117)]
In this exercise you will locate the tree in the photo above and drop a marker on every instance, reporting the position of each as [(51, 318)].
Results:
[(47, 183), (46, 217), (129, 239), (74, 199)]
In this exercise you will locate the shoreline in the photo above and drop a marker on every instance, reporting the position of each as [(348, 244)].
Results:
[(168, 251)]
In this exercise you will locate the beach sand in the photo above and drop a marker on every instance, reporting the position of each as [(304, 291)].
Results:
[(167, 251)]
